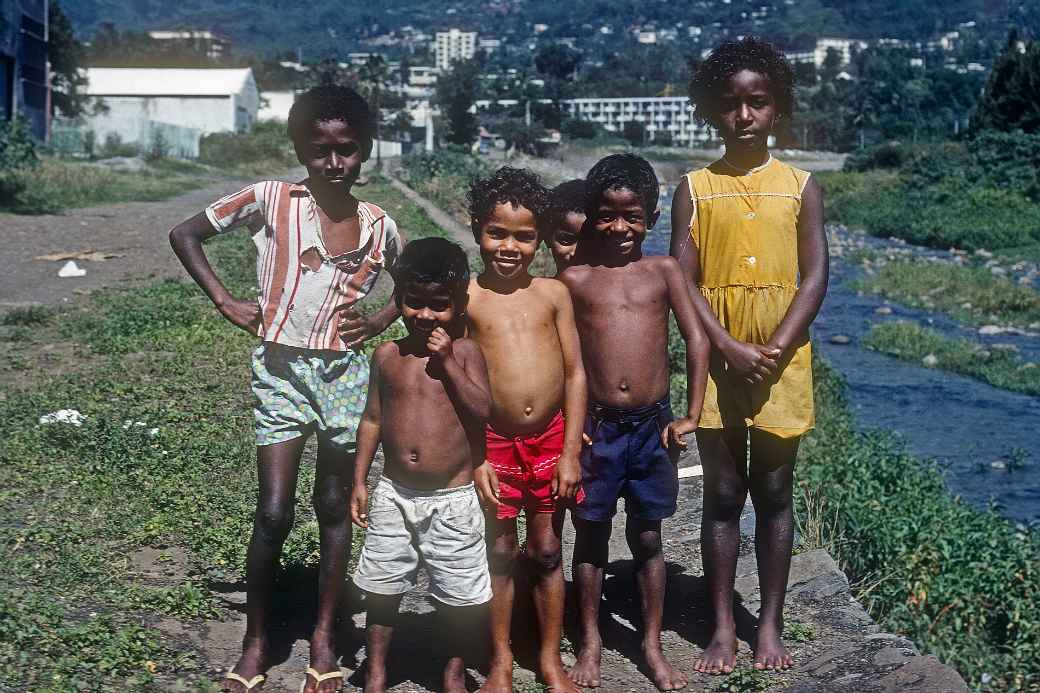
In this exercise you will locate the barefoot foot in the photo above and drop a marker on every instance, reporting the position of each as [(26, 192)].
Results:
[(500, 675), (248, 666), (665, 676), (770, 652), (454, 676), (585, 671), (375, 679), (556, 679), (720, 656)]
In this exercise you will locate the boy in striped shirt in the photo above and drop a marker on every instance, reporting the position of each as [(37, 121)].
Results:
[(319, 252)]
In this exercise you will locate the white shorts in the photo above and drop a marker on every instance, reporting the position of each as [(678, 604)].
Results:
[(443, 528)]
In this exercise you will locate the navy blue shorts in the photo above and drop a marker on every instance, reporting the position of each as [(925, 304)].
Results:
[(626, 460)]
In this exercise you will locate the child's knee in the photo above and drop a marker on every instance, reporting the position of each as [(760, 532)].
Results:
[(644, 543), (330, 505), (502, 554), (272, 522), (771, 498), (725, 500), (546, 554)]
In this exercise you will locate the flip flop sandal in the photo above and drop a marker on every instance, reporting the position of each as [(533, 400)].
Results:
[(337, 674), (252, 683)]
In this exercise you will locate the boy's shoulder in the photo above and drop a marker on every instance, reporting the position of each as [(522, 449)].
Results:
[(385, 351), (466, 347)]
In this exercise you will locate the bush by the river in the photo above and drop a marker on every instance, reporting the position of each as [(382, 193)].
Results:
[(260, 151)]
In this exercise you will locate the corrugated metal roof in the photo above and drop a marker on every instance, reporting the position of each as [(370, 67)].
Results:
[(134, 81)]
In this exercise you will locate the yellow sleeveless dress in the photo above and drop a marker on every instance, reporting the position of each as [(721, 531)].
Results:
[(744, 228)]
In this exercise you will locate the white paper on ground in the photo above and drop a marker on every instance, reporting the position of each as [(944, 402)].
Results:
[(71, 269)]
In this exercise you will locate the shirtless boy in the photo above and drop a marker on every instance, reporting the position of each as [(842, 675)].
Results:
[(428, 402), (566, 219), (525, 327), (621, 301)]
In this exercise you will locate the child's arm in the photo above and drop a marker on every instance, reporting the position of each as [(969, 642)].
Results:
[(368, 435), (754, 362), (355, 328), (465, 371), (186, 239), (813, 271), (567, 477), (697, 350)]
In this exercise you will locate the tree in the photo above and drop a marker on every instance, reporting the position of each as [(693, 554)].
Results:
[(557, 60), (373, 76), (456, 94), (1012, 97), (634, 132), (68, 82)]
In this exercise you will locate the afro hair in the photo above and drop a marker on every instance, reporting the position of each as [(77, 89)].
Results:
[(622, 171), (750, 53), (517, 186), (432, 261), (332, 102), (566, 197)]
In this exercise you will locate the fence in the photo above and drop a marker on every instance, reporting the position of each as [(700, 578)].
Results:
[(108, 136)]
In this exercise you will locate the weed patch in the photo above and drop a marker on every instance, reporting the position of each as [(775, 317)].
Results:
[(744, 679), (998, 367)]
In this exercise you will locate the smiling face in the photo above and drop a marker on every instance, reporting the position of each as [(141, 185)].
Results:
[(425, 306), (564, 240), (332, 152), (620, 222), (508, 241), (746, 112)]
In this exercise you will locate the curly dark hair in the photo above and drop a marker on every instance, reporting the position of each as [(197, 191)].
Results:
[(566, 197), (332, 102), (519, 187), (749, 53), (432, 261), (627, 171)]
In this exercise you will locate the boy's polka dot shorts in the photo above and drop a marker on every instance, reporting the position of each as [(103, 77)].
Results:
[(303, 390)]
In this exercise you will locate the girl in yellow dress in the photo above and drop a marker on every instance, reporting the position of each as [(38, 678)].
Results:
[(749, 231)]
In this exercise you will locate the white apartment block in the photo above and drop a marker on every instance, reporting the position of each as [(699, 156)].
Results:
[(671, 114), (818, 55), (454, 45)]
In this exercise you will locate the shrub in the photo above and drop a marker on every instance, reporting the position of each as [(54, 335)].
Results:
[(266, 142), (580, 129), (890, 155)]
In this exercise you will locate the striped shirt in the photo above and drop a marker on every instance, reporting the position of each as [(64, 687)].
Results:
[(300, 306)]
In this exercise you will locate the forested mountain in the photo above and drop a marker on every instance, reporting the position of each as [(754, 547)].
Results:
[(266, 27)]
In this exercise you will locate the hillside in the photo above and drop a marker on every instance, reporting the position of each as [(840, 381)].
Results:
[(263, 27)]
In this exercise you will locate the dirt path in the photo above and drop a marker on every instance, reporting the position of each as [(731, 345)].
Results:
[(134, 232)]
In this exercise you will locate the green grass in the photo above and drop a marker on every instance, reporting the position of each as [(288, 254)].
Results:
[(744, 679), (998, 367), (77, 502), (970, 294), (962, 583)]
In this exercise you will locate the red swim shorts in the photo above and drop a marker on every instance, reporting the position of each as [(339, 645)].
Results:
[(525, 468)]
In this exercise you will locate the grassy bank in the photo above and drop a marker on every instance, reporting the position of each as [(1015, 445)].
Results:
[(970, 294), (961, 583), (999, 367), (163, 457)]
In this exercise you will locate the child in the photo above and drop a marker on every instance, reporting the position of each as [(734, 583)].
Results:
[(566, 218), (319, 252), (746, 229), (525, 327), (622, 300), (428, 401)]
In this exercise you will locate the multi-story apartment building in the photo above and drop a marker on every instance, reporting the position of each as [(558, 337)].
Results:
[(24, 78), (207, 43), (658, 114), (454, 45)]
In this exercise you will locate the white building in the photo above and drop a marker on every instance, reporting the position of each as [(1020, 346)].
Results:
[(454, 45), (206, 42), (276, 105), (658, 114), (817, 56), (422, 75), (178, 101)]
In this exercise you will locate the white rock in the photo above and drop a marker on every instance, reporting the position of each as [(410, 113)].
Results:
[(931, 360), (883, 310), (840, 339), (991, 329), (66, 416), (71, 269)]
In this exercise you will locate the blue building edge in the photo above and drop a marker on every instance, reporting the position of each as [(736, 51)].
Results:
[(24, 69)]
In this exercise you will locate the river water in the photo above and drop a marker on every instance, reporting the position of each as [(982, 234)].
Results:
[(967, 425)]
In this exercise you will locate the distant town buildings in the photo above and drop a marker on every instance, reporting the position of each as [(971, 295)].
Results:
[(24, 76), (660, 115), (206, 43), (454, 45), (844, 47)]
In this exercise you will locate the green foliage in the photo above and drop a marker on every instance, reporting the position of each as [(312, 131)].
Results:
[(263, 149), (456, 93), (970, 294), (888, 155), (634, 133), (1012, 98), (998, 367), (444, 175), (65, 55), (114, 146), (580, 129), (17, 146), (795, 631), (744, 679), (960, 582)]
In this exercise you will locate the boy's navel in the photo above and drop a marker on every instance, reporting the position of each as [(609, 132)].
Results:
[(527, 410), (623, 386)]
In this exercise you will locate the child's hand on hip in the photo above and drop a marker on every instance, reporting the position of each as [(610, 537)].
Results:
[(486, 481), (674, 434), (359, 505), (752, 362), (439, 344), (242, 313), (355, 329)]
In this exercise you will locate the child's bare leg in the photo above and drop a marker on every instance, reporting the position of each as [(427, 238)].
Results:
[(591, 548), (644, 540), (543, 550), (502, 555), (277, 466), (332, 479), (460, 626), (723, 455), (772, 471), (379, 631)]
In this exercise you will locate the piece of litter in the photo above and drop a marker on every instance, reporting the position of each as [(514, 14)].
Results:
[(68, 416), (688, 472), (90, 254), (71, 269)]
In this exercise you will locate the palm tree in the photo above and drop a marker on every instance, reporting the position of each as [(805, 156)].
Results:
[(373, 75)]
